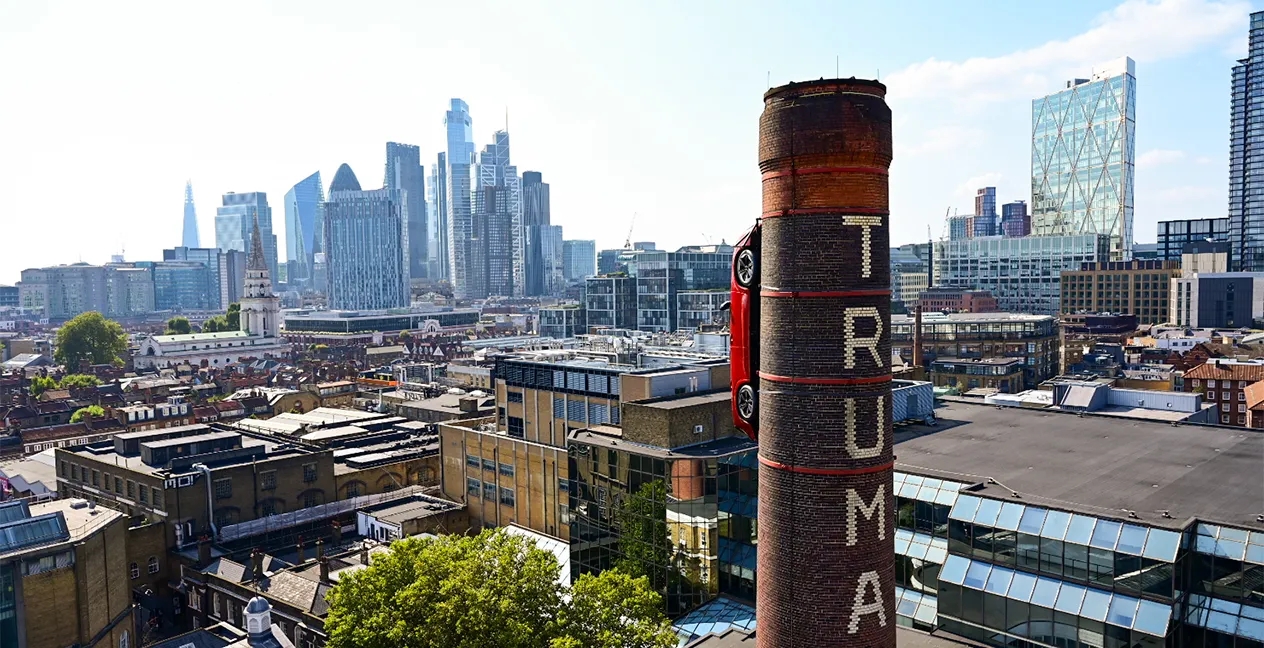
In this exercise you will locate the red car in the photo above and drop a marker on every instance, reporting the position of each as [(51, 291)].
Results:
[(744, 334)]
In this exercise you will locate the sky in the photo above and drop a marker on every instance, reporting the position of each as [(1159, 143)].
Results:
[(642, 110)]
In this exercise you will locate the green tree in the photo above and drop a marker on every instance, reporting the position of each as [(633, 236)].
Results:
[(78, 381), (41, 384), (493, 590), (89, 337), (93, 411), (229, 321), (614, 610), (178, 326)]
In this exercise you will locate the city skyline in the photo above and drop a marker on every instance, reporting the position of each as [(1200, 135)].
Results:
[(959, 106)]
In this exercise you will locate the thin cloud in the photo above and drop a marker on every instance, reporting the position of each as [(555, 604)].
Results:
[(1158, 157), (1146, 30)]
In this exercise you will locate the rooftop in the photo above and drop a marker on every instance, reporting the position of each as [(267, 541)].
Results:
[(682, 402), (967, 318), (202, 337), (1099, 465), (415, 507), (717, 448)]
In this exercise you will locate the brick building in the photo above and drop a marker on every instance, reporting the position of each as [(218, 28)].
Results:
[(1004, 374), (1255, 405), (63, 576), (1224, 383), (1137, 287), (1031, 338), (957, 300)]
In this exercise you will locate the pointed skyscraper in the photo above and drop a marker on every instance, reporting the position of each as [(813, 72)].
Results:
[(190, 238)]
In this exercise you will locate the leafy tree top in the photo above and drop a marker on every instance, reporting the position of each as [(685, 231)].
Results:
[(89, 337)]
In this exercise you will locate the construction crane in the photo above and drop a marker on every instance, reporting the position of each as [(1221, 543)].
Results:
[(627, 244)]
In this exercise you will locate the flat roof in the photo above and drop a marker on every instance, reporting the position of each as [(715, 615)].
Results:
[(966, 318), (415, 507), (1098, 465), (681, 402), (213, 436), (106, 455), (717, 448)]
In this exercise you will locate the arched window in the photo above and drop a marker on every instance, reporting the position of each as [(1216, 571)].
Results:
[(134, 571), (153, 564)]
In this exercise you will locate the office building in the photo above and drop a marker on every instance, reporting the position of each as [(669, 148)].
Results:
[(695, 308), (546, 263), (1125, 287), (437, 219), (661, 274), (498, 205), (956, 300), (909, 275), (64, 577), (1015, 221), (361, 326), (1023, 274), (184, 286), (985, 212), (608, 262), (610, 302), (1174, 234), (579, 259), (9, 297), (62, 292), (1246, 157), (302, 226), (960, 228), (232, 277), (1082, 158), (460, 197), (216, 262), (1205, 256), (540, 249), (234, 222), (366, 238), (564, 321), (1218, 300), (189, 237), (405, 173), (1002, 374), (965, 336)]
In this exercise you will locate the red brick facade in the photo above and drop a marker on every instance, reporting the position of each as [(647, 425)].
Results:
[(826, 555)]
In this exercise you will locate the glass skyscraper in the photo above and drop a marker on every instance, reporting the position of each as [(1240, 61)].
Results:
[(405, 173), (1082, 158), (366, 237), (234, 222), (460, 203), (302, 205), (985, 212), (437, 219), (1246, 157), (190, 234), (495, 170)]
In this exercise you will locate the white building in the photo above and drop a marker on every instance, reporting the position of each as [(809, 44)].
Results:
[(260, 322)]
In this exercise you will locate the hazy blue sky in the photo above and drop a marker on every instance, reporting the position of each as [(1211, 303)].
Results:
[(648, 107)]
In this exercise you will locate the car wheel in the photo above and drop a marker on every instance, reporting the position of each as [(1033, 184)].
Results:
[(746, 403), (745, 268)]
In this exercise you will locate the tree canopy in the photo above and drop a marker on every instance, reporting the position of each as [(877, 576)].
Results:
[(229, 321), (178, 326), (78, 381), (91, 411), (494, 590), (41, 384), (92, 338)]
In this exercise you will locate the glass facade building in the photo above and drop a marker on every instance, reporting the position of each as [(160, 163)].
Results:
[(1023, 274), (545, 261), (302, 224), (366, 233), (535, 216), (215, 262), (610, 302), (190, 234), (1015, 221), (660, 275), (405, 173), (579, 259), (235, 220), (1082, 158), (985, 212), (437, 217), (460, 196), (1246, 156), (1174, 234), (183, 285)]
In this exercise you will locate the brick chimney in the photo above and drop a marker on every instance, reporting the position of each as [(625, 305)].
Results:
[(256, 561), (826, 536), (204, 551)]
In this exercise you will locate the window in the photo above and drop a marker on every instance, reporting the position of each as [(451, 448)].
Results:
[(223, 489), (472, 461), (96, 478), (131, 489), (268, 507), (144, 494), (157, 497), (311, 498), (515, 396), (489, 491), (134, 570), (1211, 384), (473, 487), (1225, 407), (516, 427), (118, 485), (1242, 396), (153, 564), (507, 469), (1241, 407), (309, 472), (355, 489), (63, 468), (489, 464), (1224, 419), (267, 480), (559, 407), (507, 496)]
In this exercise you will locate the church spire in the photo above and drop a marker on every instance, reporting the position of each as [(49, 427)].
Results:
[(256, 261)]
